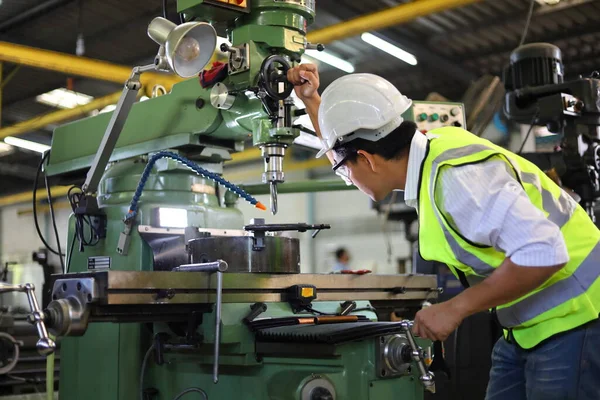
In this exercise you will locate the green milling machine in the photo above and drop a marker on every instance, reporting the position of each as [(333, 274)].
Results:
[(151, 307)]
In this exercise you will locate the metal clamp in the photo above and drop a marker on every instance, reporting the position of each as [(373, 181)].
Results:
[(426, 377), (45, 345), (219, 267), (259, 228)]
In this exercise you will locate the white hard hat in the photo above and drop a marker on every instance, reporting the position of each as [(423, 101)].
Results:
[(362, 106)]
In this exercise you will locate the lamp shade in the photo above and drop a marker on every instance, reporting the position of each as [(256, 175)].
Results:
[(188, 47)]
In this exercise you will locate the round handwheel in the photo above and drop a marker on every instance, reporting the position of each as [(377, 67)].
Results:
[(273, 75)]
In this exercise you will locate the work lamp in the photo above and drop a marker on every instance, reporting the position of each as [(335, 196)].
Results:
[(187, 48)]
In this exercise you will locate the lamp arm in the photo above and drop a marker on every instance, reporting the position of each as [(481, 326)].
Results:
[(114, 128)]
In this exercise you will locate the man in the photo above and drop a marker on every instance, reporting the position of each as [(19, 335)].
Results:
[(342, 260), (523, 247)]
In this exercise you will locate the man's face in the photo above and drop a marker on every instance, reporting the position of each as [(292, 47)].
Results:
[(369, 174), (345, 258)]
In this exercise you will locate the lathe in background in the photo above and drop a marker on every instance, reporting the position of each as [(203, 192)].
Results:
[(22, 369)]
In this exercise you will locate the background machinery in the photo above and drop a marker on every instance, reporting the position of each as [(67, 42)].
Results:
[(163, 292)]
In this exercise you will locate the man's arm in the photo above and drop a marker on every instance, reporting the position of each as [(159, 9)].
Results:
[(305, 78), (486, 204), (507, 283)]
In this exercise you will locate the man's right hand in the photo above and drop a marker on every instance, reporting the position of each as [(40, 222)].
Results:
[(305, 79)]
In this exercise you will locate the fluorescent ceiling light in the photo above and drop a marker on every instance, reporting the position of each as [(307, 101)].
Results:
[(26, 144), (389, 48), (332, 60), (5, 148), (63, 98)]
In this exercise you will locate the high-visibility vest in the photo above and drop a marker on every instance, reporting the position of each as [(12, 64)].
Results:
[(570, 298)]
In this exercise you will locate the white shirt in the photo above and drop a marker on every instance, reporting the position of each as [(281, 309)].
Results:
[(488, 206)]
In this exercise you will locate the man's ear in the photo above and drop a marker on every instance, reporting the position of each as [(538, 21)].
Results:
[(369, 158)]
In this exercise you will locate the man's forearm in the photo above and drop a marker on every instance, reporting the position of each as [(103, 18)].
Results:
[(312, 109), (507, 283)]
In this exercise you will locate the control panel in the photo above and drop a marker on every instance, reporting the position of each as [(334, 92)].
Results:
[(429, 115)]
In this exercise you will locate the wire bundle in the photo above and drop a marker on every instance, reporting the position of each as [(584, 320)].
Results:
[(194, 167), (35, 217), (83, 224)]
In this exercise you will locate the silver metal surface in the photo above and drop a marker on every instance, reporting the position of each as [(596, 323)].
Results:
[(84, 289), (238, 58), (273, 193), (218, 326), (216, 266), (280, 254), (220, 97), (311, 386), (44, 345), (68, 311), (391, 350), (113, 130), (273, 155), (175, 231), (425, 377)]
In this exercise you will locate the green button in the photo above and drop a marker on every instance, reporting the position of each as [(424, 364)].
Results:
[(422, 117), (435, 117)]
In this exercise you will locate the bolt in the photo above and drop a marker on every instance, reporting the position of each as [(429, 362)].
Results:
[(200, 103)]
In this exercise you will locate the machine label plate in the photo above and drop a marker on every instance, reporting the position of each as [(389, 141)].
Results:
[(95, 263)]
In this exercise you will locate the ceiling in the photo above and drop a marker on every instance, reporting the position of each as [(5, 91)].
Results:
[(454, 48)]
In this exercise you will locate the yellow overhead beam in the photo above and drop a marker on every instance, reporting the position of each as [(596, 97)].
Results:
[(384, 19), (57, 117), (80, 66), (27, 197)]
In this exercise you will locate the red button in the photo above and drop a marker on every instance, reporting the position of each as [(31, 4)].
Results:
[(423, 131)]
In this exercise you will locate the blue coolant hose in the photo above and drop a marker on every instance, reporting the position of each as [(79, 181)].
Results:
[(194, 167)]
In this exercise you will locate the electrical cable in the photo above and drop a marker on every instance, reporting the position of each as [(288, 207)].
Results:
[(194, 167), (191, 390), (53, 218), (529, 17), (81, 221), (70, 254), (35, 219), (143, 370), (164, 9)]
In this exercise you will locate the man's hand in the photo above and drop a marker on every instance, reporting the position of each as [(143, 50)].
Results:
[(437, 321), (305, 78)]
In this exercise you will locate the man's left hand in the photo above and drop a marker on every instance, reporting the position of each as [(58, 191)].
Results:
[(437, 321)]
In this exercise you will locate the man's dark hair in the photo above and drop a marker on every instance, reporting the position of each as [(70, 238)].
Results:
[(390, 147), (340, 252)]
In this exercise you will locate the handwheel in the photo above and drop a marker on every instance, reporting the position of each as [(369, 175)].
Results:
[(273, 72)]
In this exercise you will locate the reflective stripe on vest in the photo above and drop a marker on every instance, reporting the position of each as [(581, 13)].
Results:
[(554, 295), (528, 314)]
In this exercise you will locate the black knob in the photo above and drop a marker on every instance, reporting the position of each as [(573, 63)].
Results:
[(456, 123), (406, 354), (320, 393)]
